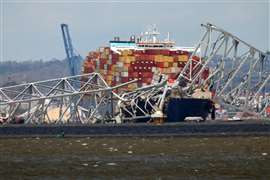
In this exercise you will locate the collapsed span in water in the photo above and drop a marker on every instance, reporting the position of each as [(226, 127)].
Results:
[(142, 79)]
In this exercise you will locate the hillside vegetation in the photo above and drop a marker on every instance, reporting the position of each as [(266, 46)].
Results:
[(12, 72)]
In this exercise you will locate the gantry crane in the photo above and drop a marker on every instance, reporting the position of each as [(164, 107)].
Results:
[(74, 60)]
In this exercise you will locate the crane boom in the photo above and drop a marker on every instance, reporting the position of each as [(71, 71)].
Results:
[(74, 61)]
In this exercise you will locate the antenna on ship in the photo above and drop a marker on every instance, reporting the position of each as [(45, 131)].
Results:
[(153, 34), (168, 37)]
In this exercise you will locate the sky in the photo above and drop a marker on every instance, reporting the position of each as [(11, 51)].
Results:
[(30, 30)]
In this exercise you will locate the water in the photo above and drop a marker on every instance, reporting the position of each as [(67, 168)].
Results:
[(135, 158)]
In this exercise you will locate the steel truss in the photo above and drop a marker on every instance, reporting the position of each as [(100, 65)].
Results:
[(76, 99), (142, 103), (231, 61), (239, 75)]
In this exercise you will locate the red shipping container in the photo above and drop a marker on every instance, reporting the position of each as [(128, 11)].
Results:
[(175, 59), (268, 110), (150, 51), (94, 63), (147, 62), (172, 75), (135, 74), (138, 57), (165, 52), (151, 58), (110, 67), (131, 69), (205, 74), (181, 64), (137, 62), (102, 61), (124, 79), (173, 53), (115, 60), (145, 69), (160, 64), (148, 74), (179, 52), (115, 56), (101, 66), (148, 80), (196, 58), (139, 52), (145, 57)]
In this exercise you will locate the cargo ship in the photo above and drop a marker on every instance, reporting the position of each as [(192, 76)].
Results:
[(144, 58)]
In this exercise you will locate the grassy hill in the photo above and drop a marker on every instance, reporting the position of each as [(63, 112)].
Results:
[(28, 71)]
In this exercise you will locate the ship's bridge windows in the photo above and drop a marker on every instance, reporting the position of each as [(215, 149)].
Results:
[(158, 46)]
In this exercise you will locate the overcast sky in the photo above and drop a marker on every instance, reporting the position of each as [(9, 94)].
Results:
[(31, 29)]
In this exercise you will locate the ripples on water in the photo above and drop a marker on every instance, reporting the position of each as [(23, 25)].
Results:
[(137, 158)]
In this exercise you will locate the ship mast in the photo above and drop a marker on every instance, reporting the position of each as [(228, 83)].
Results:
[(150, 39)]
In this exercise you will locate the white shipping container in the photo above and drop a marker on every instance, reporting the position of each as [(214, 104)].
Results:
[(110, 61), (120, 64), (124, 74), (144, 84), (101, 49)]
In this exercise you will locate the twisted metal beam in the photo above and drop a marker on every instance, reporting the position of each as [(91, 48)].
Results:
[(230, 59)]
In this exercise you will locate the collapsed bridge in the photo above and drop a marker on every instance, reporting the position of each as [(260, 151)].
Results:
[(238, 81)]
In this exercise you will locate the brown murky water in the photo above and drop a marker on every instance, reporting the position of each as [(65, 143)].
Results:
[(135, 158)]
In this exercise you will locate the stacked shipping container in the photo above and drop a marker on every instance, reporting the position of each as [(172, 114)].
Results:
[(136, 64)]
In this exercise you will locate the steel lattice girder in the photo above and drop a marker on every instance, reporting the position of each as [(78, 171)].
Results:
[(88, 99), (59, 101), (142, 102), (231, 61)]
